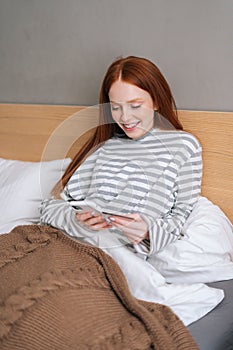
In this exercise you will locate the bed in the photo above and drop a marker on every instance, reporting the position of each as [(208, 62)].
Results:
[(35, 137)]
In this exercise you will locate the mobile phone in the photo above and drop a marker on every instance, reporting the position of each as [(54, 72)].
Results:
[(95, 212), (85, 208), (117, 215)]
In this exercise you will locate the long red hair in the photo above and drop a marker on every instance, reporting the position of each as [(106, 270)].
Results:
[(137, 71)]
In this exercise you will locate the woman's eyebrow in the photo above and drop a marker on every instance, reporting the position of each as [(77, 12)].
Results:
[(130, 101)]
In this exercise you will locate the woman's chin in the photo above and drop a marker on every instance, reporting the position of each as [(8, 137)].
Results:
[(135, 134)]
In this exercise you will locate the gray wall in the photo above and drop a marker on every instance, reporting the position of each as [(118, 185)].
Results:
[(57, 51)]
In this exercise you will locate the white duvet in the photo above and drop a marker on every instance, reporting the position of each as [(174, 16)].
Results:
[(176, 276)]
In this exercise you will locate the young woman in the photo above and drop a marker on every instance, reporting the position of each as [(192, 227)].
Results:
[(139, 167)]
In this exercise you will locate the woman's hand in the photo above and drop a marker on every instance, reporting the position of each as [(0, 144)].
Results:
[(135, 230), (132, 225), (95, 223)]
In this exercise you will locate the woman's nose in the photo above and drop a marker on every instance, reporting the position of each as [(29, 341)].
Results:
[(125, 115)]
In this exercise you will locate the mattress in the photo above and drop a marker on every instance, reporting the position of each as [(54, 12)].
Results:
[(215, 330)]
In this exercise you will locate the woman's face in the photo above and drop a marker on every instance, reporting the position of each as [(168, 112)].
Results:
[(132, 108)]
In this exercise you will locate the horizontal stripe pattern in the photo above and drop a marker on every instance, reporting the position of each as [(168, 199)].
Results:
[(158, 175)]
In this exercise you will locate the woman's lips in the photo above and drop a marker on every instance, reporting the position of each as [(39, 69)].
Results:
[(130, 126)]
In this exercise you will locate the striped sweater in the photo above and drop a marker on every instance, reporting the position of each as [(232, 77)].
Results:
[(157, 175)]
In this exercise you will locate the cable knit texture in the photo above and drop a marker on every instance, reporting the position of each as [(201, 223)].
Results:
[(59, 294)]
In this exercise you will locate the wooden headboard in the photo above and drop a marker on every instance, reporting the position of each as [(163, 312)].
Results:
[(46, 132)]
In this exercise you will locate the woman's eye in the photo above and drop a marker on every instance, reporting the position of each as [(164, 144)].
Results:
[(135, 106), (115, 108)]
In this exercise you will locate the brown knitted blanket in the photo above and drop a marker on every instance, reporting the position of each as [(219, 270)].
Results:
[(59, 294)]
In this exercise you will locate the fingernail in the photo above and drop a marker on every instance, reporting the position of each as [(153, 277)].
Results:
[(112, 219)]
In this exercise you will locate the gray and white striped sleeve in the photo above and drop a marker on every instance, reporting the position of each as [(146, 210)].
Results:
[(167, 228), (60, 214)]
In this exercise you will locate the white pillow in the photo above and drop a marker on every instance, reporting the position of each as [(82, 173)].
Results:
[(23, 186), (205, 253)]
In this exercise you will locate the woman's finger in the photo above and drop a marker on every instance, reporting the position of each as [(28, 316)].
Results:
[(83, 216), (135, 230), (92, 222)]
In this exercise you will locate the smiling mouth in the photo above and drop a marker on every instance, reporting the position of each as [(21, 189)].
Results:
[(131, 126)]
